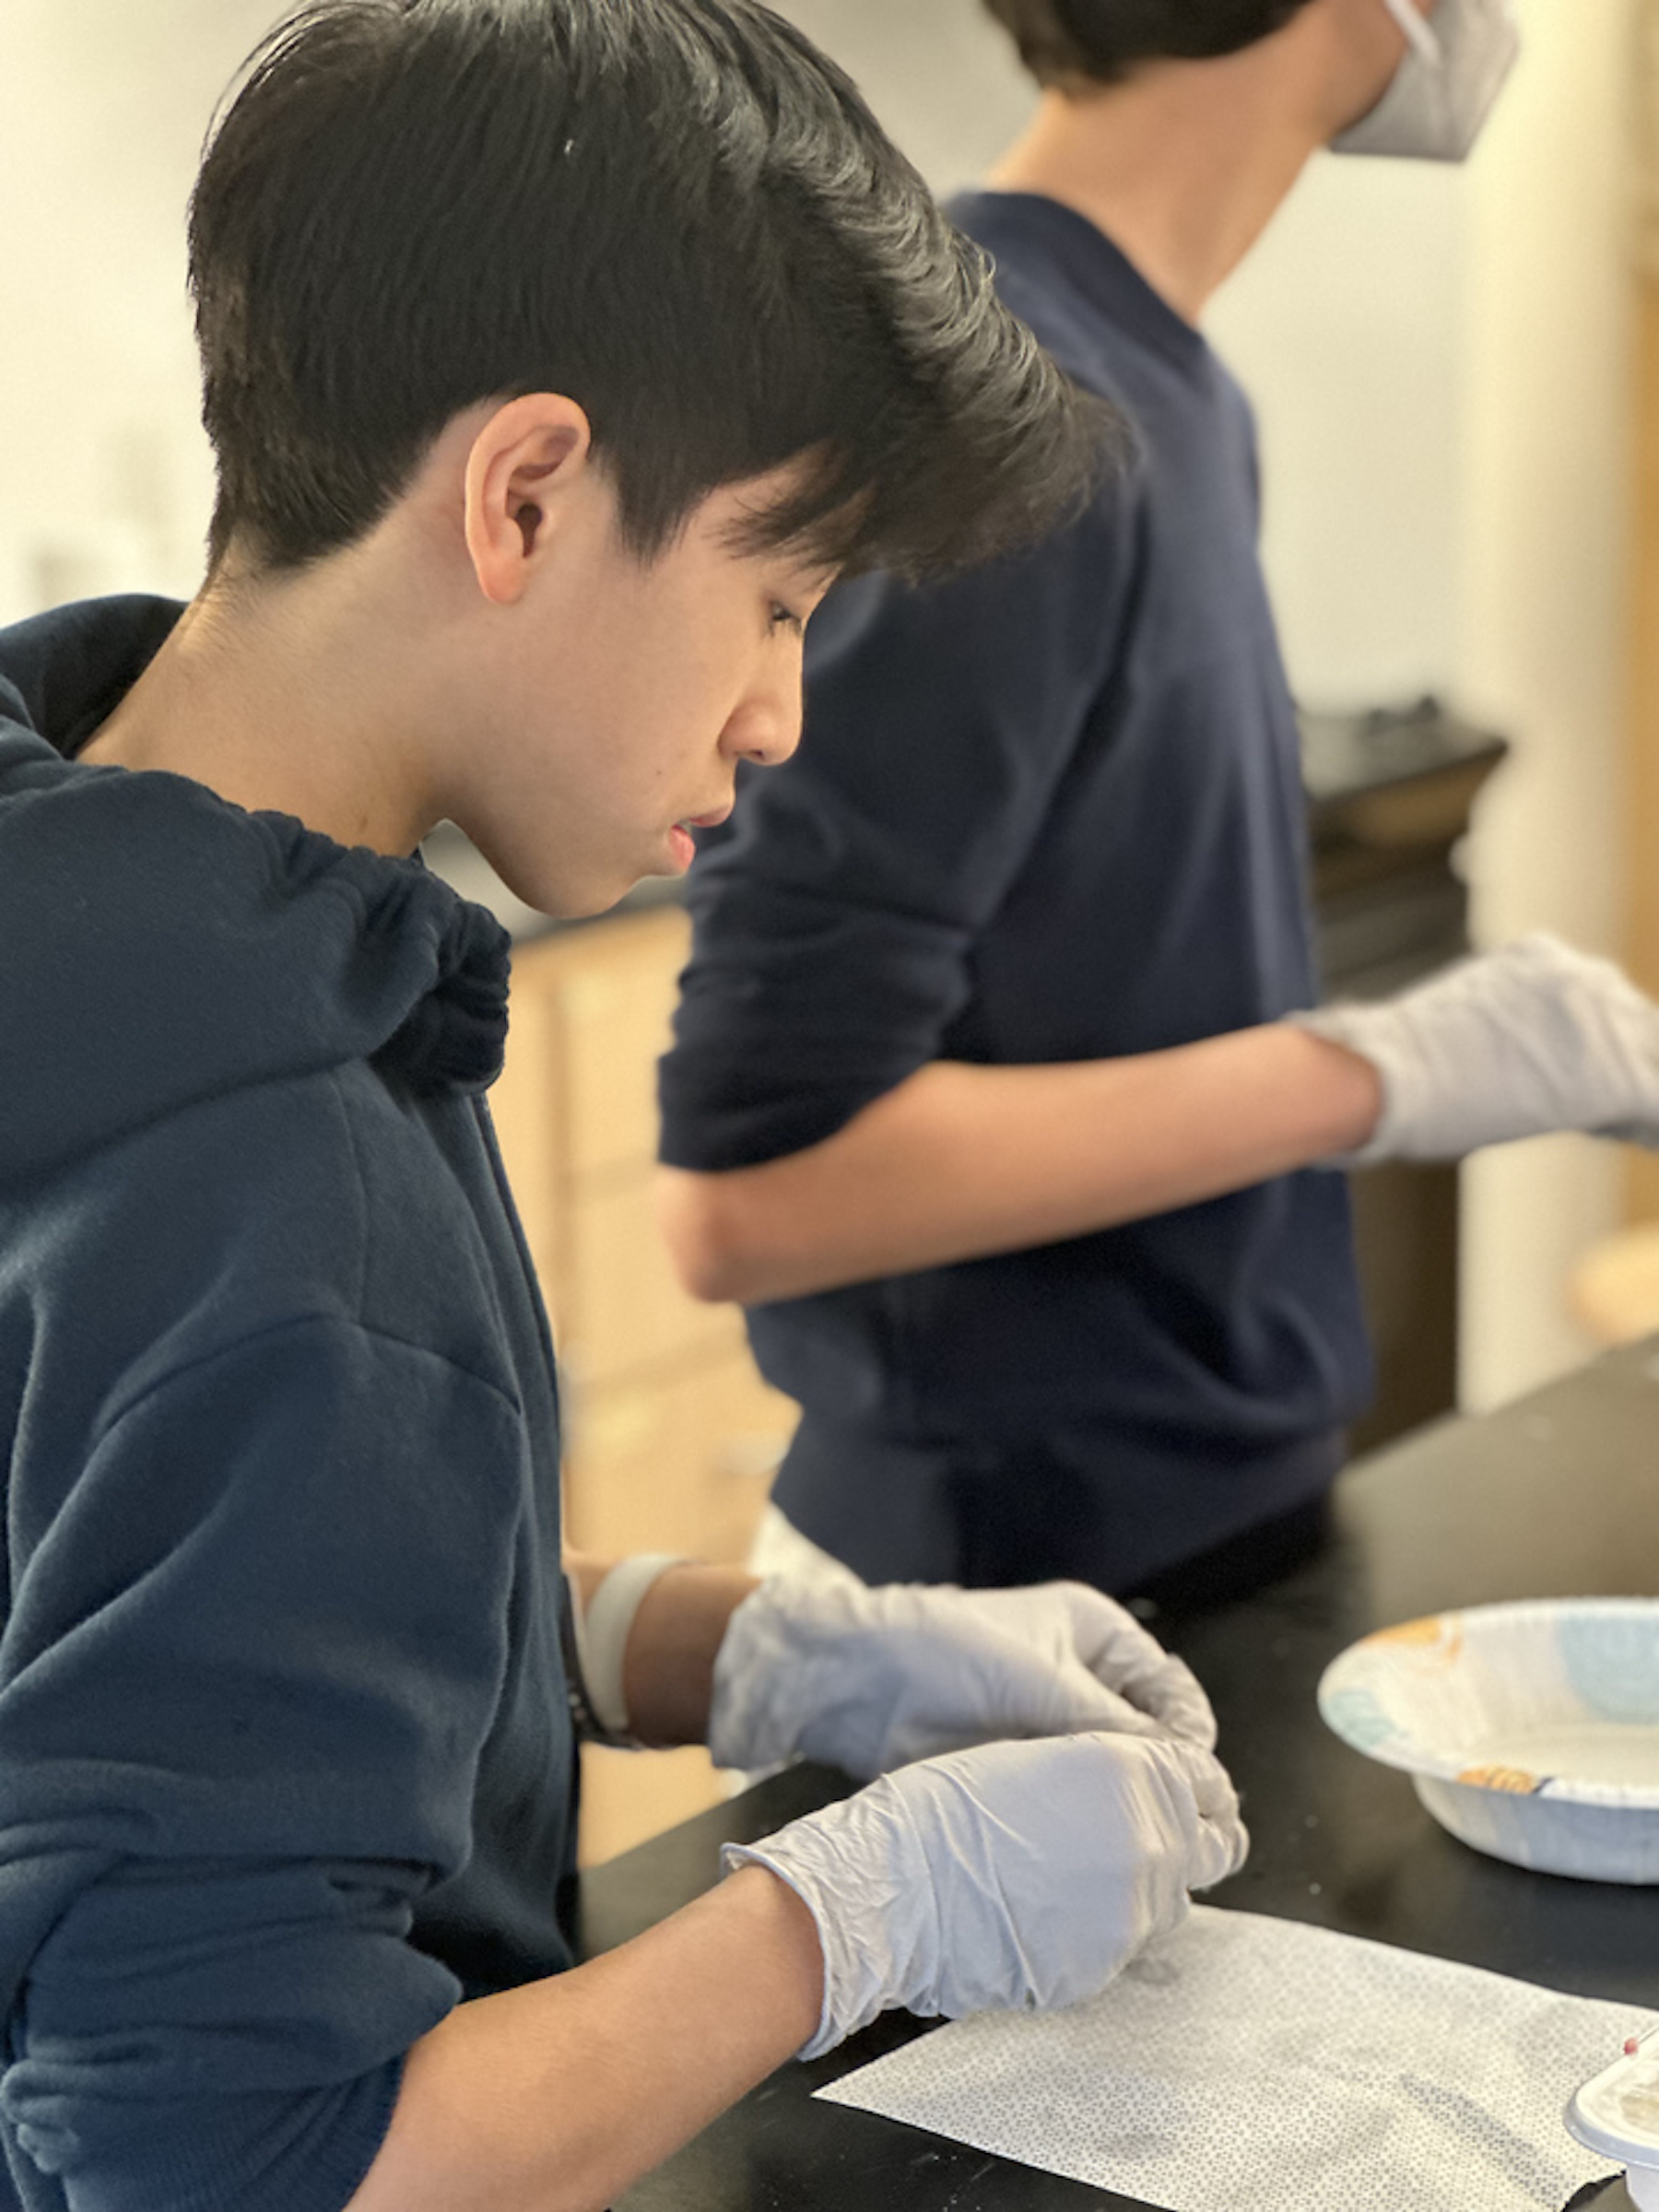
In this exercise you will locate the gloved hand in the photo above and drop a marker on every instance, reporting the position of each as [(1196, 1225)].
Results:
[(1520, 1042), (1013, 1875), (869, 1679)]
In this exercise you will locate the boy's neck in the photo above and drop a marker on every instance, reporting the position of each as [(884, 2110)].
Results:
[(1182, 166), (279, 697)]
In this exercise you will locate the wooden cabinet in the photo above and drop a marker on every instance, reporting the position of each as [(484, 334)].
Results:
[(680, 1463), (671, 1436)]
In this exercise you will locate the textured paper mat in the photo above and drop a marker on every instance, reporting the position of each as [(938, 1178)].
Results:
[(1249, 2064)]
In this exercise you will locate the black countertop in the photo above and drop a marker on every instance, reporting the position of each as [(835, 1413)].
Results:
[(1556, 1495)]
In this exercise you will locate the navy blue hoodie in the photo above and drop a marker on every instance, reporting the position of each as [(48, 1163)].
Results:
[(286, 1763)]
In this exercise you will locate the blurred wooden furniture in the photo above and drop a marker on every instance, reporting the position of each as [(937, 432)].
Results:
[(1614, 1290), (1643, 758), (671, 1436)]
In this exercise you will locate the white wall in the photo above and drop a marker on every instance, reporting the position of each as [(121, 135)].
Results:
[(939, 73), (1438, 360), (1344, 325), (104, 476), (1545, 492)]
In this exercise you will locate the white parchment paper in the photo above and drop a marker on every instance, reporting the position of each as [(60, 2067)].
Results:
[(1249, 2064)]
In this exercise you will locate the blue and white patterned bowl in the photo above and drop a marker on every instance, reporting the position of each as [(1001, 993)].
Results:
[(1531, 1731)]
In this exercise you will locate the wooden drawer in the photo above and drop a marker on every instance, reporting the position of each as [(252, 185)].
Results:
[(627, 1796), (575, 1112), (680, 1465), (591, 1014), (671, 1437), (524, 1105), (615, 1298)]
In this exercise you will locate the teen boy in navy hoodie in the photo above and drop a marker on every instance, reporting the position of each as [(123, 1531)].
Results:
[(556, 353)]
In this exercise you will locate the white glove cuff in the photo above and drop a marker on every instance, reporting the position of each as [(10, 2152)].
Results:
[(602, 1633), (826, 2034), (856, 1868)]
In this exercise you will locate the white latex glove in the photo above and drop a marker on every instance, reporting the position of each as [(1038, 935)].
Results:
[(1014, 1875), (869, 1679), (1515, 1043)]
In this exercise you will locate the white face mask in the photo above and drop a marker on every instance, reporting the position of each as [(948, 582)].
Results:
[(1443, 91)]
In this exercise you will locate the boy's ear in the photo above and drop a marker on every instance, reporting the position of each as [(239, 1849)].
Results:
[(529, 451)]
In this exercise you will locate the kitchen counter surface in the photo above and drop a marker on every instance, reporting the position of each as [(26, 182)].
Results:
[(1555, 1496)]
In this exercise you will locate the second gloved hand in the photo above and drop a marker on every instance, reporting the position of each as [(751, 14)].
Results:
[(1017, 1876), (868, 1679), (1521, 1043)]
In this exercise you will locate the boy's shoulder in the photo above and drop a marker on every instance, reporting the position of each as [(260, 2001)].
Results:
[(250, 1050), (166, 949), (1091, 308), (333, 1195)]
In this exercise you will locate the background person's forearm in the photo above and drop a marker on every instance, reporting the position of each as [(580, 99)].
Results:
[(958, 1162), (556, 2097)]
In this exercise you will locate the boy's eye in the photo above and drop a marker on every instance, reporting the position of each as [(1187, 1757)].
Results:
[(783, 617)]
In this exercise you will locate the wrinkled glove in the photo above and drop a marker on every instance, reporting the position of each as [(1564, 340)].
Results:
[(1014, 1875), (869, 1679), (1521, 1043)]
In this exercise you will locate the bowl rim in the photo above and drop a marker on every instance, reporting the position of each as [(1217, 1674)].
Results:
[(1410, 1756)]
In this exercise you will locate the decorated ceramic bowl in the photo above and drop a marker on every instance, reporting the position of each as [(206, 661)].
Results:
[(1531, 1731)]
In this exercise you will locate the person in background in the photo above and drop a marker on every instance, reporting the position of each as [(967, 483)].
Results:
[(556, 353), (995, 1096)]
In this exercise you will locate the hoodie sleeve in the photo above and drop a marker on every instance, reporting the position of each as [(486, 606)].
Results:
[(835, 923), (255, 1654)]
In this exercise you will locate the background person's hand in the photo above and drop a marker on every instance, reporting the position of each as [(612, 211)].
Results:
[(868, 1679), (1521, 1043), (1017, 1876)]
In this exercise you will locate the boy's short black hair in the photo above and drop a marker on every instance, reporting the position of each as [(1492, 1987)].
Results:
[(1077, 42), (675, 212)]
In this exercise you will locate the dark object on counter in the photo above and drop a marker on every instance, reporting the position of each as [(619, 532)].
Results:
[(1390, 796), (1603, 2196), (1550, 1495)]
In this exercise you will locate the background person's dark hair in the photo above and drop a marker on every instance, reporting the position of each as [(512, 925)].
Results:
[(675, 212), (1099, 41)]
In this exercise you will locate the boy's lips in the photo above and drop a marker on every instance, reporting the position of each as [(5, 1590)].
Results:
[(681, 842)]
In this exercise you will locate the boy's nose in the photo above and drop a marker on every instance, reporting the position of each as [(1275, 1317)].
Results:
[(767, 729)]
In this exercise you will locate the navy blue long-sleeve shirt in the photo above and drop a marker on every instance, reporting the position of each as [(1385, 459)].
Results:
[(1049, 811), (285, 1761)]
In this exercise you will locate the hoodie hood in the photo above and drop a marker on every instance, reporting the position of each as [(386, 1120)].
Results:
[(162, 947)]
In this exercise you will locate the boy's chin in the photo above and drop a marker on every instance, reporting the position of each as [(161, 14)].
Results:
[(576, 896), (563, 887)]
